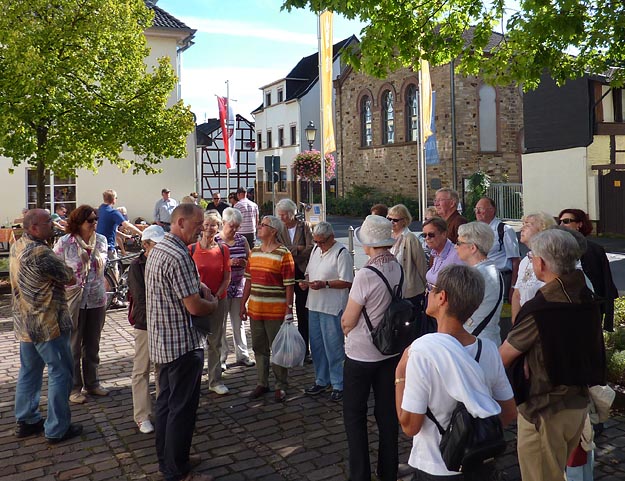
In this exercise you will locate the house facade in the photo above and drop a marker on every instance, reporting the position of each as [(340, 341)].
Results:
[(167, 37), (289, 104), (575, 150), (378, 137)]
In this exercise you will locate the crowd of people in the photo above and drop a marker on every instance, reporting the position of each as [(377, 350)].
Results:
[(204, 267)]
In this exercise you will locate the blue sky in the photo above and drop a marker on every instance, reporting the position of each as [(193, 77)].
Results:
[(248, 42)]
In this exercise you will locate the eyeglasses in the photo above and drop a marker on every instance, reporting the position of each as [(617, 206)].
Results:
[(463, 243), (430, 287), (320, 242), (567, 221), (266, 225), (216, 198), (92, 220), (429, 235), (395, 220)]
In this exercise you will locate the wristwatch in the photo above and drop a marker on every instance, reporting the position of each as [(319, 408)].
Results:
[(327, 284)]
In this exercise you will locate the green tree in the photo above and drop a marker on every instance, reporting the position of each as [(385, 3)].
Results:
[(75, 88), (537, 36)]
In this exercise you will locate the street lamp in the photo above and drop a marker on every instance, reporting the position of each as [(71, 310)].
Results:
[(311, 133)]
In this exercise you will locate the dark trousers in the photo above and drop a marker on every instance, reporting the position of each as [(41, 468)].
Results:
[(302, 313), (176, 407), (359, 378), (85, 342), (250, 239)]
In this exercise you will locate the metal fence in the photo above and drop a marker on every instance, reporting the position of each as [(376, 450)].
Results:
[(509, 200)]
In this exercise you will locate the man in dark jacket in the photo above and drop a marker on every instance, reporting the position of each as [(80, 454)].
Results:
[(141, 401)]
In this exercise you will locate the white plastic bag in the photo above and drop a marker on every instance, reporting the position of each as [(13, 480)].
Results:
[(288, 348)]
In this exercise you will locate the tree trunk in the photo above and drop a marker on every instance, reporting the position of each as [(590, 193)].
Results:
[(42, 139)]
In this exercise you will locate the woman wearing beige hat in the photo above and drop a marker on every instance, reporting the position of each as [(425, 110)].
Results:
[(365, 367)]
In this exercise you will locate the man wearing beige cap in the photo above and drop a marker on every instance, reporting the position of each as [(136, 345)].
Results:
[(163, 209)]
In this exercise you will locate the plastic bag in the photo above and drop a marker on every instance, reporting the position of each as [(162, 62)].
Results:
[(288, 348)]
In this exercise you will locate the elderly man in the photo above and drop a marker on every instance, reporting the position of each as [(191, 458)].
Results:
[(43, 325), (329, 276), (174, 293), (249, 211), (163, 209), (446, 204), (505, 250), (557, 344)]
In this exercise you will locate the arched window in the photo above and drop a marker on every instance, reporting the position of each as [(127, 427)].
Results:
[(488, 118), (366, 135), (412, 113), (388, 118)]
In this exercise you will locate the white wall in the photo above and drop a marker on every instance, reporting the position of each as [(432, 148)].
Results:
[(557, 180)]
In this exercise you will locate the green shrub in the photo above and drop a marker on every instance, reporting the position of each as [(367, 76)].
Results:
[(478, 185), (619, 312), (616, 367), (4, 264), (358, 202), (615, 341)]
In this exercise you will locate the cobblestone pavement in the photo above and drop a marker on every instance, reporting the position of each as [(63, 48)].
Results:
[(238, 439)]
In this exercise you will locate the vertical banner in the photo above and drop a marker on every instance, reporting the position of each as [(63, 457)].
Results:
[(425, 89), (431, 149), (325, 76), (228, 131)]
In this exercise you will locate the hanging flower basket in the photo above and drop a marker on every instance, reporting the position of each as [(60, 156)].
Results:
[(307, 165)]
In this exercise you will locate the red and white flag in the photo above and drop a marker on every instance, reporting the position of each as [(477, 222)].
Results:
[(228, 130)]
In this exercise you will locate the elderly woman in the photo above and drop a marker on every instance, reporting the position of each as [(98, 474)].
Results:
[(329, 276), (85, 252), (269, 279), (141, 366), (475, 239), (297, 237), (409, 253), (442, 250), (595, 263), (213, 263), (425, 376), (239, 253), (365, 367), (527, 284)]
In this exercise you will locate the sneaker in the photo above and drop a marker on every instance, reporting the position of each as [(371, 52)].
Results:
[(73, 431), (336, 395), (258, 392), (219, 389), (146, 427), (23, 429), (98, 391), (280, 396), (223, 367), (317, 389), (77, 397), (247, 362)]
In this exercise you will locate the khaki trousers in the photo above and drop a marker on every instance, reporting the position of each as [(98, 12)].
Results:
[(263, 334), (217, 321), (543, 452), (141, 399)]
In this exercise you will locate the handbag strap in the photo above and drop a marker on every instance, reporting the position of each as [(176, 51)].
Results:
[(430, 414), (388, 286), (480, 327)]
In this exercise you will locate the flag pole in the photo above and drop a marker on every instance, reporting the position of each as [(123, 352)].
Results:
[(420, 153), (321, 118), (224, 134)]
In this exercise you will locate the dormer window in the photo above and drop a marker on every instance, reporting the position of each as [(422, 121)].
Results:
[(267, 99)]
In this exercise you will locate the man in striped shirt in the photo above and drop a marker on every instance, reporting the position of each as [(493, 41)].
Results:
[(174, 293), (249, 211)]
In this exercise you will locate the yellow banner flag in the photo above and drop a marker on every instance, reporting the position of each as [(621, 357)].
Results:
[(325, 76), (426, 100)]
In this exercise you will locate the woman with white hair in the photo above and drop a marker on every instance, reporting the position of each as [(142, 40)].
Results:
[(296, 236), (527, 284), (475, 239), (239, 253), (365, 366), (269, 280), (141, 366)]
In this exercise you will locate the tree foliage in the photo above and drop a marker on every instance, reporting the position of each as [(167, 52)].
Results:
[(75, 88), (540, 35)]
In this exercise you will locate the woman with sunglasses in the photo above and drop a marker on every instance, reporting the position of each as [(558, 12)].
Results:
[(595, 263), (85, 252), (442, 249), (409, 253), (269, 281)]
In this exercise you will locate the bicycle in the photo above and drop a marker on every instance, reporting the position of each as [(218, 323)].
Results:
[(117, 290)]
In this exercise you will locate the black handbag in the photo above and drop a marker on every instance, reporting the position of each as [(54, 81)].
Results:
[(469, 442)]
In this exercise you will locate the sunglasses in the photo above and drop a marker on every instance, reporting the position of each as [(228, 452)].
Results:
[(429, 235), (430, 287), (92, 220), (567, 221), (394, 220)]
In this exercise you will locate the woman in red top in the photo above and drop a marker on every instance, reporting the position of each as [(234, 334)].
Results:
[(213, 264)]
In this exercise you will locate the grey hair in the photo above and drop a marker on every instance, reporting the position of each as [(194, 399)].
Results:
[(403, 211), (464, 286), (323, 229), (579, 237), (452, 193), (232, 215), (275, 222), (213, 215), (288, 206), (479, 234), (558, 249), (544, 220)]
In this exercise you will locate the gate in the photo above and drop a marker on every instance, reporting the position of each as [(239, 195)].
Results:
[(509, 200), (612, 202)]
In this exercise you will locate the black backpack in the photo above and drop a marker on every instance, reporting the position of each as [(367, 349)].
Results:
[(469, 442), (400, 324)]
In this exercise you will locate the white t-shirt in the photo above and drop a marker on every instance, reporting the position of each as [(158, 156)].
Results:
[(502, 255), (368, 290), (335, 264), (526, 283), (491, 297), (424, 387)]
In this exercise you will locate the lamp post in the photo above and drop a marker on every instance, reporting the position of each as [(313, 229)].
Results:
[(311, 133)]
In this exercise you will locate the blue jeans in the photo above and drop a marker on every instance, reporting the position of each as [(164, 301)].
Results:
[(327, 348), (34, 356)]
